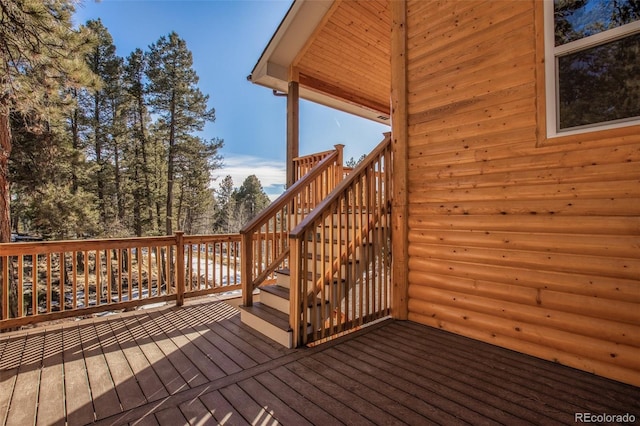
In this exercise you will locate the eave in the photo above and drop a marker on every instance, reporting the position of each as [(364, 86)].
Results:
[(326, 45)]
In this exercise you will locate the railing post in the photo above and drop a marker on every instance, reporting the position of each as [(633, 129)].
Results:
[(179, 268), (295, 302), (340, 163), (246, 266), (4, 276)]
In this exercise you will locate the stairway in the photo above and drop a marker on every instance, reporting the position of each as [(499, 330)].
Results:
[(270, 315), (333, 230)]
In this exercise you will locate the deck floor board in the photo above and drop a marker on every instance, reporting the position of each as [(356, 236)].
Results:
[(25, 393), (188, 371), (484, 395), (222, 410), (499, 378), (51, 395), (101, 383), (149, 382), (271, 403), (198, 364)]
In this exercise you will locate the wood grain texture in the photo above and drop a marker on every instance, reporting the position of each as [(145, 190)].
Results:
[(514, 239), (391, 372)]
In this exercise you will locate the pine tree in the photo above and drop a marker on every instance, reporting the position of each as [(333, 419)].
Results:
[(225, 208), (195, 160), (134, 74), (42, 167), (251, 198), (101, 109), (175, 97), (40, 55)]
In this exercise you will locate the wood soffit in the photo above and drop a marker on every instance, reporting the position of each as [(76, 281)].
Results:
[(341, 52)]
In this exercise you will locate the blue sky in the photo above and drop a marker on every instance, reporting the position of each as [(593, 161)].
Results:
[(226, 39)]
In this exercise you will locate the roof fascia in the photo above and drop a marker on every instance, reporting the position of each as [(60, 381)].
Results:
[(289, 39)]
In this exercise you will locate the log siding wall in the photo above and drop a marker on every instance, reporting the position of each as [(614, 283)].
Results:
[(525, 243)]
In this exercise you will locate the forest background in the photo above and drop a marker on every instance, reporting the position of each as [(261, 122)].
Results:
[(99, 145)]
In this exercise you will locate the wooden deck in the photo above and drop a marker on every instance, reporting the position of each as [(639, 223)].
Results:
[(199, 365)]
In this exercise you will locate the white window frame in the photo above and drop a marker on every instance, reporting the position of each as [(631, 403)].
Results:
[(552, 53)]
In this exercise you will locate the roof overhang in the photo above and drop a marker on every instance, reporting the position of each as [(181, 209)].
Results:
[(287, 47)]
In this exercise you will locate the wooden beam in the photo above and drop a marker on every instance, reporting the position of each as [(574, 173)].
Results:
[(317, 85), (293, 126), (399, 142)]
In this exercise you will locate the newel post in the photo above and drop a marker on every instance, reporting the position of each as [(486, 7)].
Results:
[(180, 268), (295, 301), (246, 268), (340, 163)]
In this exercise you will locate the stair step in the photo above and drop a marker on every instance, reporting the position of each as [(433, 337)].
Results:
[(268, 321), (276, 297), (276, 290), (286, 273), (282, 277), (327, 258)]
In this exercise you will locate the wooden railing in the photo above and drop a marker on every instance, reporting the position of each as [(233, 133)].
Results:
[(44, 281), (265, 238), (340, 254), (302, 165)]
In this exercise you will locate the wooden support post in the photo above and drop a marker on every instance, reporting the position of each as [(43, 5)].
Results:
[(4, 304), (399, 141), (246, 266), (295, 302), (179, 268), (293, 128), (340, 163)]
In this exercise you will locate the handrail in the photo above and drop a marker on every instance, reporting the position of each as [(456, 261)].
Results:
[(264, 239), (344, 184), (286, 198), (340, 253), (302, 165), (50, 280)]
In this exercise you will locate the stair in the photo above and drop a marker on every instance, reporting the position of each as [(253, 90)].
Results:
[(345, 235), (271, 314), (269, 321)]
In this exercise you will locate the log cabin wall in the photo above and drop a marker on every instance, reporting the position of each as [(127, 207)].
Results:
[(519, 241)]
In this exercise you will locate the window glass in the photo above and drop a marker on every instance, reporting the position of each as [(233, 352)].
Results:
[(595, 66), (576, 19), (600, 84)]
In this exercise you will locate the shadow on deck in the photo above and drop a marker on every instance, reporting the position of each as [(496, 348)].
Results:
[(198, 365)]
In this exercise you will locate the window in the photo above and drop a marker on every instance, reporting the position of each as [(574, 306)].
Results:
[(592, 64)]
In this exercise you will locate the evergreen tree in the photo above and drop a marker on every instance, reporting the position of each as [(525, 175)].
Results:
[(101, 109), (175, 97), (195, 160), (134, 72), (39, 57), (250, 198), (225, 208), (41, 173), (353, 163)]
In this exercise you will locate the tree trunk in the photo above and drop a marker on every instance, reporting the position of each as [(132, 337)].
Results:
[(5, 220), (170, 165), (137, 201), (98, 152), (5, 196), (75, 142), (143, 148)]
